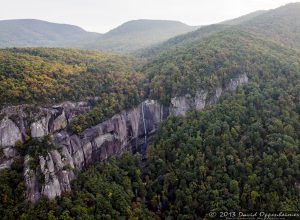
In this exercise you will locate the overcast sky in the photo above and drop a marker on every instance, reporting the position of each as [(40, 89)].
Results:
[(103, 15)]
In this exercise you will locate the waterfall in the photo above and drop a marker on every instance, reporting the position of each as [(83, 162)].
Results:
[(144, 147)]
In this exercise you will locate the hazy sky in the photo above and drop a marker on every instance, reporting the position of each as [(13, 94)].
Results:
[(103, 15)]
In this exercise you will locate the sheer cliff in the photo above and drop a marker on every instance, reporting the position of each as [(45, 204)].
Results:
[(124, 132)]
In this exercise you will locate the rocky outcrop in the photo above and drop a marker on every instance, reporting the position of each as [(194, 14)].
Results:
[(31, 182), (123, 132), (51, 187), (59, 122), (9, 133), (7, 157), (52, 177), (180, 105), (25, 120), (40, 128), (17, 123), (115, 136), (6, 163), (234, 83)]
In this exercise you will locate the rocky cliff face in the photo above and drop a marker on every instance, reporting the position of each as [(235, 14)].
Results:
[(123, 132), (180, 105), (112, 137)]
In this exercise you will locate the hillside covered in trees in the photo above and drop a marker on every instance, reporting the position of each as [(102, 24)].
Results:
[(37, 33), (239, 154), (215, 60), (280, 25), (44, 76), (50, 76)]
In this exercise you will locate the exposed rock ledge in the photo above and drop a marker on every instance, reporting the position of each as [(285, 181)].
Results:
[(123, 132), (180, 105)]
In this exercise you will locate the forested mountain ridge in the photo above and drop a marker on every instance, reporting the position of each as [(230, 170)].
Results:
[(137, 34), (243, 19), (45, 76), (128, 37), (280, 25), (182, 40), (37, 33), (211, 62)]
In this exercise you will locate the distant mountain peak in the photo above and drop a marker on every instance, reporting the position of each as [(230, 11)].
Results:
[(145, 24), (137, 34)]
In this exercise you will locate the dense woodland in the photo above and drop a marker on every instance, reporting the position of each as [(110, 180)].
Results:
[(49, 76), (280, 25), (241, 154), (214, 61), (43, 76)]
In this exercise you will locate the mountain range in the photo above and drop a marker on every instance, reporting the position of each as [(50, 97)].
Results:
[(147, 35), (130, 36), (154, 35)]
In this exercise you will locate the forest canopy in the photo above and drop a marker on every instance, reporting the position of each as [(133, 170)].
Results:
[(43, 76)]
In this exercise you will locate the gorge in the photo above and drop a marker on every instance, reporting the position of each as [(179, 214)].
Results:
[(53, 172)]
